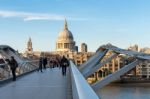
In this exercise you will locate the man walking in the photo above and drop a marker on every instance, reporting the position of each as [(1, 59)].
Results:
[(40, 64), (44, 62), (64, 63), (13, 65)]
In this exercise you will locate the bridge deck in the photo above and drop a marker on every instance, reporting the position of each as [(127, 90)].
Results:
[(49, 84)]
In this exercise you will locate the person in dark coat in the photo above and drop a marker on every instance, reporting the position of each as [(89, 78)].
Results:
[(64, 64), (13, 65), (44, 62), (40, 64)]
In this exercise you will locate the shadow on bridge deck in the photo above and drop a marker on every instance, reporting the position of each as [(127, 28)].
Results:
[(49, 84)]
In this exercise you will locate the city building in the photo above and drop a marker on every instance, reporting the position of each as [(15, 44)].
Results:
[(76, 48), (145, 50), (84, 47), (144, 69), (80, 57)]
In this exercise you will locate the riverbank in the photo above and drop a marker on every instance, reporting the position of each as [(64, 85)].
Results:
[(132, 81)]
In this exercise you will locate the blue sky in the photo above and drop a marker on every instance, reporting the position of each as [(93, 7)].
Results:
[(95, 22)]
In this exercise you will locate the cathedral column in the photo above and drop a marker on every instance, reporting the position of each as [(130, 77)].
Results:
[(63, 45)]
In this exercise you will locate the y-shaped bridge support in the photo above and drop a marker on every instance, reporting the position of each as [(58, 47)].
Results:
[(95, 68), (94, 60), (115, 75)]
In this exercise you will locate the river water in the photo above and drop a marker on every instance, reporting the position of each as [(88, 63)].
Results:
[(125, 91)]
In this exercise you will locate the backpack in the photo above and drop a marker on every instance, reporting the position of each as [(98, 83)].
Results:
[(16, 64)]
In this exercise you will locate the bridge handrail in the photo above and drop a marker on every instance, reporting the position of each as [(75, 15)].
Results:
[(28, 61), (2, 64), (23, 67), (80, 88), (20, 62)]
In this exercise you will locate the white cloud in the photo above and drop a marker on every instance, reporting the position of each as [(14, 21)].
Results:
[(34, 16)]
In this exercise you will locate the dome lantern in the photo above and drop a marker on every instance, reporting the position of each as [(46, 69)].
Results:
[(66, 25)]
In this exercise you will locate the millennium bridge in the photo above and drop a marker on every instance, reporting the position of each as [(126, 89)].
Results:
[(51, 84)]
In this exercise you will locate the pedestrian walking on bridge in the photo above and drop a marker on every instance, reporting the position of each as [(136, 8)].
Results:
[(64, 64), (40, 64), (13, 65), (44, 62)]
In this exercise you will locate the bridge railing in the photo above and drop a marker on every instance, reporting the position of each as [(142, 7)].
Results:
[(4, 71), (23, 67), (80, 88)]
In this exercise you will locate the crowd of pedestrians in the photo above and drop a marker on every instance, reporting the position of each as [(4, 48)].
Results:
[(42, 63), (61, 62)]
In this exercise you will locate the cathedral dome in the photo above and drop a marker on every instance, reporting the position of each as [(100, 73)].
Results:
[(65, 41), (65, 34)]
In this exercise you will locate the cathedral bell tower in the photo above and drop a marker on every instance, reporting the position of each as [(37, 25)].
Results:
[(29, 47)]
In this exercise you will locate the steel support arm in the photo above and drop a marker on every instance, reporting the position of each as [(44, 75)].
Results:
[(95, 60), (115, 76), (98, 66)]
